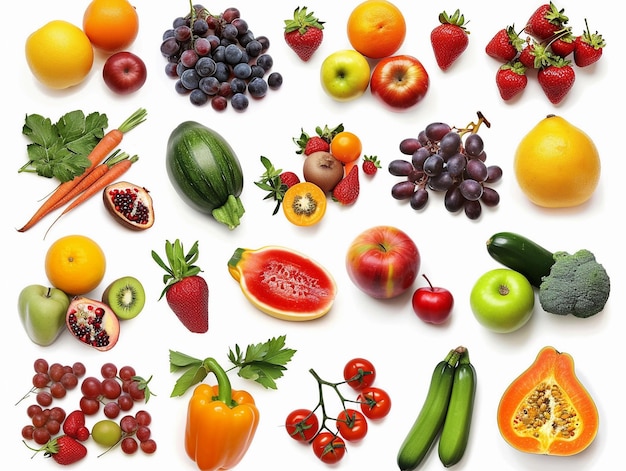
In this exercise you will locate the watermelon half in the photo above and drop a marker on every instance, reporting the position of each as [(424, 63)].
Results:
[(283, 283)]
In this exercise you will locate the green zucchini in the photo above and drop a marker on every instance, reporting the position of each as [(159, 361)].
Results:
[(205, 172), (456, 428), (522, 255), (431, 416)]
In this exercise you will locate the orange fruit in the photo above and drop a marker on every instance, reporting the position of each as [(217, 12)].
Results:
[(346, 147), (556, 164), (59, 54), (75, 264), (111, 25), (376, 28), (304, 204)]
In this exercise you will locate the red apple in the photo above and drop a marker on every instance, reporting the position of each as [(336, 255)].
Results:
[(383, 262), (124, 72), (432, 304), (399, 81)]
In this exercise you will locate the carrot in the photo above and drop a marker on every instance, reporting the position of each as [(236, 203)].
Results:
[(95, 174), (104, 147), (97, 184)]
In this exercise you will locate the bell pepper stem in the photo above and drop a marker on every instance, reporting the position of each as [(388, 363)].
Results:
[(224, 387)]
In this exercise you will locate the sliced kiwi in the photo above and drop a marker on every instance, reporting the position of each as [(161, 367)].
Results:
[(125, 296)]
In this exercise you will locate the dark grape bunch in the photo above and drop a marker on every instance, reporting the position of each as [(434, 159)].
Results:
[(449, 160), (217, 58)]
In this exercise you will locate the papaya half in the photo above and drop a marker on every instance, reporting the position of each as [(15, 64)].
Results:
[(546, 410), (283, 283)]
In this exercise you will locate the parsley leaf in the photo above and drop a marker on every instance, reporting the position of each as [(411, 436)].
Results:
[(61, 150), (262, 362)]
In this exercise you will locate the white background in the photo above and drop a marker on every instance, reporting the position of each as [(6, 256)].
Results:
[(403, 348)]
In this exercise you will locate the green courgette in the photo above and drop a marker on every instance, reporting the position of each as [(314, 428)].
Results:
[(522, 255), (205, 171), (431, 416), (456, 428)]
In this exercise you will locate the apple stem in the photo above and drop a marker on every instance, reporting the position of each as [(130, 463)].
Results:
[(428, 281)]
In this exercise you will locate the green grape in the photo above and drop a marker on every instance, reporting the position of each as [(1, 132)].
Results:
[(106, 432)]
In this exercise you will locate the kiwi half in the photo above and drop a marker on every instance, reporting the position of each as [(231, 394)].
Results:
[(125, 296)]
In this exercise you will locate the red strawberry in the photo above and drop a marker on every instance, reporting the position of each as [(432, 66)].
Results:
[(556, 80), (64, 450), (449, 39), (511, 80), (546, 21), (186, 292), (303, 33), (534, 55), (74, 425), (371, 164), (316, 144), (563, 45), (505, 45), (321, 141), (289, 179), (588, 47), (347, 190)]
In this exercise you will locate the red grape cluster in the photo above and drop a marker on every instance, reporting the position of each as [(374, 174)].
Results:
[(311, 426), (442, 161), (136, 433), (115, 391)]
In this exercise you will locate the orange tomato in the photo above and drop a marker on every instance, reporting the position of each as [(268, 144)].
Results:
[(376, 28), (346, 147), (111, 25), (556, 164), (75, 264), (304, 204)]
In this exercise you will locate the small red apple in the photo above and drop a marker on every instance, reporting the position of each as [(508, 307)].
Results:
[(399, 81), (432, 304), (124, 72), (383, 261)]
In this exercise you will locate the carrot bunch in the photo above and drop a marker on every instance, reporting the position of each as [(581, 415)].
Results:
[(101, 172)]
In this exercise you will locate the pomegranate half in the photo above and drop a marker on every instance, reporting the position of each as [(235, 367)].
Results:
[(93, 323), (129, 204)]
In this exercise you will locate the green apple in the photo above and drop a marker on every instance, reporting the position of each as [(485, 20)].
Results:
[(345, 75), (502, 300), (42, 311)]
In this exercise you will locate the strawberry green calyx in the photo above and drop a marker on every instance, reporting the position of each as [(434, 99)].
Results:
[(457, 19), (302, 20), (556, 16), (271, 183), (595, 40), (180, 264)]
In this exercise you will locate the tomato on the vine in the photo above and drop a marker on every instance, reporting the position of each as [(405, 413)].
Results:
[(302, 425), (375, 402), (352, 425), (359, 373), (329, 447)]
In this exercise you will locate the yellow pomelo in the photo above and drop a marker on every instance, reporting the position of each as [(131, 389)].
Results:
[(59, 54), (556, 164)]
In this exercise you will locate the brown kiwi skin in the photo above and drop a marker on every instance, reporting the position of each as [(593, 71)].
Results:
[(323, 169), (108, 297)]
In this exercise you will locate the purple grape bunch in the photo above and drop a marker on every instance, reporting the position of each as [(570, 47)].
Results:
[(448, 160), (217, 59)]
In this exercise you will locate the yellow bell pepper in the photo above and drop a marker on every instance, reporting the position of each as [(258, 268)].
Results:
[(221, 423)]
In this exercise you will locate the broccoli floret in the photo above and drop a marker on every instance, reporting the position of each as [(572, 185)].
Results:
[(577, 285)]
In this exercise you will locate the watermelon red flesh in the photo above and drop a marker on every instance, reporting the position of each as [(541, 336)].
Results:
[(283, 283)]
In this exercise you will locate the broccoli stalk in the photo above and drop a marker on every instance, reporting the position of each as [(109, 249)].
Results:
[(577, 285)]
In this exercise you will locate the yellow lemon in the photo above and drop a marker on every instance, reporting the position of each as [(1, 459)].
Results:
[(59, 54), (556, 164)]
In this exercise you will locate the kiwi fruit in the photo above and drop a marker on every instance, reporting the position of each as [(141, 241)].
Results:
[(125, 296)]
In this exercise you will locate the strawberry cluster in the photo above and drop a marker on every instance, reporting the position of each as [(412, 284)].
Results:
[(547, 45)]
